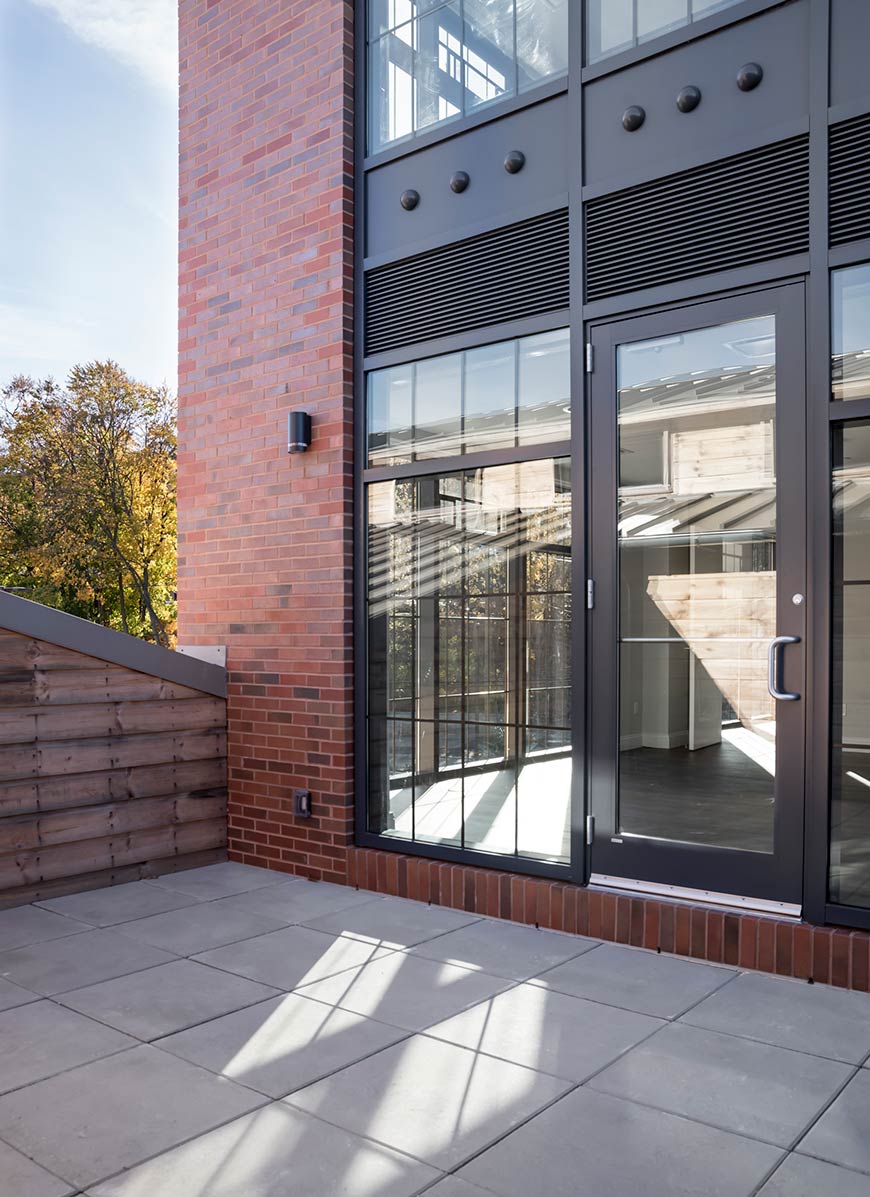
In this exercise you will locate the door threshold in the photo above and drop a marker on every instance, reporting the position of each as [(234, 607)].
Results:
[(704, 897)]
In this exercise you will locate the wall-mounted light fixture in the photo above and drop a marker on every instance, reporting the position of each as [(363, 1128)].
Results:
[(298, 432)]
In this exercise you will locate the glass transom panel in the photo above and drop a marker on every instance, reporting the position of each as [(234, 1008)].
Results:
[(433, 62), (616, 25), (513, 393)]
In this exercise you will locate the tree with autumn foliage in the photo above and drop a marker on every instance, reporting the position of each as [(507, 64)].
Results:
[(87, 498)]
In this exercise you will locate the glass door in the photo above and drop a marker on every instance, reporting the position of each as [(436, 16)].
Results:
[(698, 557)]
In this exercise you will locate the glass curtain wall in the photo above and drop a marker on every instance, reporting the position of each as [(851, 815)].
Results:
[(616, 25), (431, 62), (469, 602), (850, 599)]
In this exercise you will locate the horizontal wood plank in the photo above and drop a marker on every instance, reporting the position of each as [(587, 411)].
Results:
[(87, 756), (25, 725), (97, 822), (89, 856), (114, 785), (22, 652), (112, 683), (41, 891)]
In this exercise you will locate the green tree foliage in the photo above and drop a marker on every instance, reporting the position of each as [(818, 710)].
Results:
[(87, 498)]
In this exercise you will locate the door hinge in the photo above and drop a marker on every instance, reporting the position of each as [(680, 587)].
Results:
[(590, 357), (590, 593), (590, 830)]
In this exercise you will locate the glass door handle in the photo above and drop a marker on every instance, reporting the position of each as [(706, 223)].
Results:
[(774, 668)]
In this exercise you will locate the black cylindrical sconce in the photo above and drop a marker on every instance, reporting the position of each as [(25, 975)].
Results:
[(298, 432)]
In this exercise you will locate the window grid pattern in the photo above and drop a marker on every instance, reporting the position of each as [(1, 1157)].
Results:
[(613, 26), (430, 63), (469, 658)]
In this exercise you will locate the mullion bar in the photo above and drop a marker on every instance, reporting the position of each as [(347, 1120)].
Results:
[(510, 455), (463, 609)]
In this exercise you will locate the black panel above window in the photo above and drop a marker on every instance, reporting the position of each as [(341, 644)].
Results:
[(510, 273), (740, 210), (850, 180), (431, 63)]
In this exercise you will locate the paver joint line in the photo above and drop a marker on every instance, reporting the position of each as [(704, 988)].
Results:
[(572, 1005)]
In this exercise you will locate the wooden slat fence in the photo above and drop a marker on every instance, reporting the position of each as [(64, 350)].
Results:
[(107, 773)]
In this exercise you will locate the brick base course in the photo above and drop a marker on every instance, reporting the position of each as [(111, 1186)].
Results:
[(750, 941)]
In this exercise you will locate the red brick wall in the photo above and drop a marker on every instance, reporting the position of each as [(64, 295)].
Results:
[(265, 275)]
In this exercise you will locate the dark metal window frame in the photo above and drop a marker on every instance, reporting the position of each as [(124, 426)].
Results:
[(486, 111), (813, 269), (366, 475), (576, 870), (695, 866), (840, 414)]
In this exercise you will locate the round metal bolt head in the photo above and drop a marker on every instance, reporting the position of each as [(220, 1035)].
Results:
[(633, 118), (749, 76), (689, 98), (514, 162), (459, 180), (409, 199)]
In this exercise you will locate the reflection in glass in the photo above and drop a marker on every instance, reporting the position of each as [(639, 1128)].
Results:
[(544, 399), (431, 62), (489, 26), (850, 703), (654, 19), (496, 397), (850, 335), (616, 25), (697, 584), (469, 610)]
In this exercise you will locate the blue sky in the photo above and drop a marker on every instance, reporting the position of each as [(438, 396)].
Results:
[(88, 173)]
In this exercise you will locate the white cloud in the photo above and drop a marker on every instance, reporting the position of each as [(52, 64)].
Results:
[(140, 33)]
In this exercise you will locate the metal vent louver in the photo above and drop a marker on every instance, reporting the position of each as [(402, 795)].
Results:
[(511, 272), (734, 212), (849, 180)]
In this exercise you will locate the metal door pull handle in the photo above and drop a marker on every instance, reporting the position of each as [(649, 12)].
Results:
[(774, 668)]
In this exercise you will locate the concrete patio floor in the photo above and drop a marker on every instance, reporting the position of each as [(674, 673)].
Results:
[(231, 1032)]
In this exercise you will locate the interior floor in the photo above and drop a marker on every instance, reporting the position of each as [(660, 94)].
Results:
[(720, 796)]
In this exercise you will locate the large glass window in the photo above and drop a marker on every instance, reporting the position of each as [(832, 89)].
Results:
[(850, 334), (469, 626), (850, 707), (495, 397), (616, 25), (697, 519), (432, 62)]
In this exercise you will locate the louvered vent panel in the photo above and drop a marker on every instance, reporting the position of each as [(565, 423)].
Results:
[(729, 213), (850, 180), (511, 272)]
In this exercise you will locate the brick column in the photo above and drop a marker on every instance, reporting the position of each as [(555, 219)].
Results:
[(265, 326)]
